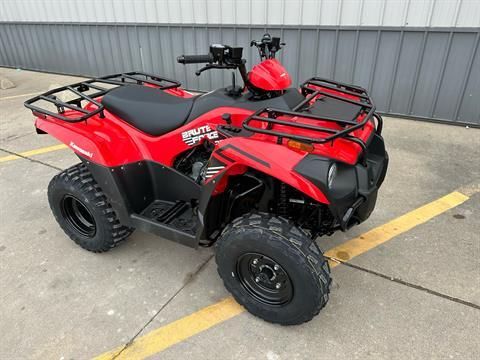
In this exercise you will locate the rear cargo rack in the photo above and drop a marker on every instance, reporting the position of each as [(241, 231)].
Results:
[(79, 89), (311, 90)]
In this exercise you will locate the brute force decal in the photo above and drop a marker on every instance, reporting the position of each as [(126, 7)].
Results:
[(193, 136)]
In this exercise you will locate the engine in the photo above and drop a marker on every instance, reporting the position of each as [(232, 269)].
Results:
[(193, 162)]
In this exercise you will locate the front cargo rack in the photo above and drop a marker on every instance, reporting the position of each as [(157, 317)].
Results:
[(311, 89), (79, 90)]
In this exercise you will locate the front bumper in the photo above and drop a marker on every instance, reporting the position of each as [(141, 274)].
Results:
[(353, 191)]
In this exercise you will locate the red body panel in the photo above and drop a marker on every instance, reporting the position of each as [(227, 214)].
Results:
[(111, 142), (269, 158), (270, 75)]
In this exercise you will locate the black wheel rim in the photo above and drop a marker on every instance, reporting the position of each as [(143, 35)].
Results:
[(78, 216), (264, 279)]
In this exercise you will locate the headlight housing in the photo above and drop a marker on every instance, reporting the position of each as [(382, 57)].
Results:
[(332, 173)]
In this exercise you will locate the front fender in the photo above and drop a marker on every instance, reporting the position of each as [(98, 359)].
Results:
[(274, 160), (235, 156)]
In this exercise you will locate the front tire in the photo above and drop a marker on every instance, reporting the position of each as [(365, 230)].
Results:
[(83, 211), (273, 269)]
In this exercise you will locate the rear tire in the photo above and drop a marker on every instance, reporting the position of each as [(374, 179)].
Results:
[(83, 212), (273, 269)]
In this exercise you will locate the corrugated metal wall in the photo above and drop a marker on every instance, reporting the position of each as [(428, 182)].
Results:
[(427, 72), (443, 13)]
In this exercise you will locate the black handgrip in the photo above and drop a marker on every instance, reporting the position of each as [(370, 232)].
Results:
[(195, 59)]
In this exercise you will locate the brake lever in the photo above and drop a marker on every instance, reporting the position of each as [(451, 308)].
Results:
[(214, 66)]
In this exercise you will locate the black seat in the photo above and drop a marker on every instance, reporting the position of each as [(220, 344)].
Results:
[(150, 110)]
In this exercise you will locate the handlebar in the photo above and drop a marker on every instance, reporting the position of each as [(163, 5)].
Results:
[(195, 59)]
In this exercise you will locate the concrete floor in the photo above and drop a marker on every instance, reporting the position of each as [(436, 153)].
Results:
[(59, 301)]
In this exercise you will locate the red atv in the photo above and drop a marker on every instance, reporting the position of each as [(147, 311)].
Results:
[(260, 170)]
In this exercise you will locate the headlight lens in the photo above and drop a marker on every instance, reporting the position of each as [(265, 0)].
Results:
[(332, 172)]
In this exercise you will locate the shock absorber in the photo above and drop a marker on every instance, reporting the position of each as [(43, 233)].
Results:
[(283, 200)]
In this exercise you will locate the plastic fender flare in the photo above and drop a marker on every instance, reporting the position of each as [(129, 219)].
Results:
[(272, 159), (96, 146), (238, 159)]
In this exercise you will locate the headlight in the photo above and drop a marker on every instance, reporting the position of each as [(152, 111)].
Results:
[(332, 172)]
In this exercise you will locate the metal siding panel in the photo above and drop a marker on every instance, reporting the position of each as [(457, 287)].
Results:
[(429, 73), (4, 60), (350, 12), (13, 49), (384, 69), (311, 12), (189, 70), (392, 13), (444, 13), (292, 12), (345, 55), (326, 47), (308, 55), (257, 12), (470, 104), (469, 14), (242, 12), (418, 12), (365, 58), (328, 15), (200, 47), (448, 85), (166, 52), (291, 51), (276, 11), (405, 79), (372, 12), (456, 67)]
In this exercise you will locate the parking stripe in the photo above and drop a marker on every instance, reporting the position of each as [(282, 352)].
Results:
[(34, 152), (179, 330), (382, 234), (18, 96)]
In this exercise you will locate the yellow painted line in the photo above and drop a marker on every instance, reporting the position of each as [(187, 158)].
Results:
[(383, 233), (18, 96), (34, 152), (177, 331)]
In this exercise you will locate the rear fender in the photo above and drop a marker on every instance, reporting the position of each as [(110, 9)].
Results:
[(101, 142)]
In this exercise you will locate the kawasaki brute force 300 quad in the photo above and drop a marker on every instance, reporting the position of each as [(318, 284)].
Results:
[(260, 171)]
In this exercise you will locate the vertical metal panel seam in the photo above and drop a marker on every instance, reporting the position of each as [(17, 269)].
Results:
[(382, 12), (431, 9), (339, 12), (317, 49), (334, 55), (360, 12), (8, 56), (406, 10), (14, 49), (457, 12), (417, 72), (297, 67), (23, 44), (94, 55), (210, 81), (299, 36), (466, 77), (354, 57), (374, 63), (442, 74), (395, 71)]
